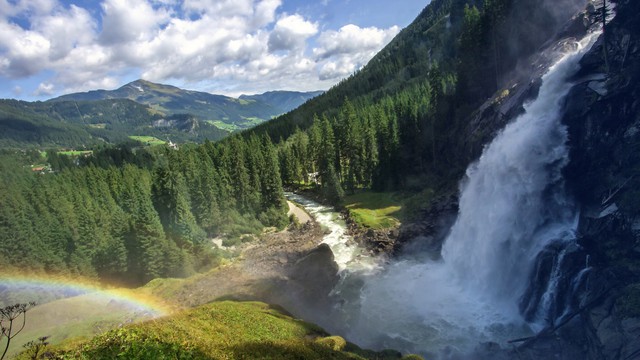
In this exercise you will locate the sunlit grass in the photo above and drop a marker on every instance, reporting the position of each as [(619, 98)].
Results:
[(223, 125), (75, 152), (375, 210), (220, 330), (148, 140)]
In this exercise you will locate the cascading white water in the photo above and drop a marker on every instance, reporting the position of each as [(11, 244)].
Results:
[(347, 254), (511, 205)]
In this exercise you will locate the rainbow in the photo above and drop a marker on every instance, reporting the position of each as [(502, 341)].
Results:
[(40, 288)]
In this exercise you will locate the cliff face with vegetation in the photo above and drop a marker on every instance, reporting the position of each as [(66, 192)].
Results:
[(412, 120), (600, 308), (595, 314)]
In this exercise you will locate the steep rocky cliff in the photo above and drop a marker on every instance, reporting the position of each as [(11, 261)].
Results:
[(596, 313), (593, 308)]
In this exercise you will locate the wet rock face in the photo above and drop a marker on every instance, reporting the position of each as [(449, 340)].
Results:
[(428, 234), (377, 242), (603, 121), (520, 81), (315, 275)]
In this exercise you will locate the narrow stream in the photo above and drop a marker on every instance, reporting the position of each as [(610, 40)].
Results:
[(348, 254)]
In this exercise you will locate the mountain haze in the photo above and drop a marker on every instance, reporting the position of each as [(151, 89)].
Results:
[(91, 122), (140, 108), (222, 111), (285, 101)]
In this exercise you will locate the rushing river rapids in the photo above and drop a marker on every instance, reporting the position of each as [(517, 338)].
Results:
[(512, 204)]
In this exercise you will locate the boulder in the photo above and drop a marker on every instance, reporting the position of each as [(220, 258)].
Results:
[(315, 275)]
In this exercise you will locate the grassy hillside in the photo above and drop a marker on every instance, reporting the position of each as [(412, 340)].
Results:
[(220, 330), (87, 123), (169, 100)]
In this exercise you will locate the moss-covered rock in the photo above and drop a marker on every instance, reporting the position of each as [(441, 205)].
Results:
[(628, 304)]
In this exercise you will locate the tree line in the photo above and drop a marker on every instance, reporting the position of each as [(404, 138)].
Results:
[(398, 123), (131, 216), (132, 223)]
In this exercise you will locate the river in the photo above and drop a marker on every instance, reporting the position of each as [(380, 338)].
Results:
[(349, 256), (511, 205)]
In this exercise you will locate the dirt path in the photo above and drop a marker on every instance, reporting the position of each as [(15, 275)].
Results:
[(300, 214)]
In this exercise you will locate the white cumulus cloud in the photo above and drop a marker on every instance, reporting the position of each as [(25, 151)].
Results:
[(44, 89), (342, 52), (222, 46), (352, 39), (291, 33), (130, 20)]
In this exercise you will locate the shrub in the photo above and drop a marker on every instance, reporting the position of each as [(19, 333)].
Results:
[(412, 357), (336, 343)]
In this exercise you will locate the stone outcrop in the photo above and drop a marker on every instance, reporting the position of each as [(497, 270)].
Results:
[(595, 312), (376, 241), (316, 274), (596, 315), (428, 234)]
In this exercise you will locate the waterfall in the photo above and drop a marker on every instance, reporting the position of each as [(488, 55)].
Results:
[(512, 204)]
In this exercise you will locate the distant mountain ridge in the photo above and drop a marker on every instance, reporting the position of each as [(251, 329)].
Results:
[(285, 101), (85, 123), (222, 111), (139, 108)]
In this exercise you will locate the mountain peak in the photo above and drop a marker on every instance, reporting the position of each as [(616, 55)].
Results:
[(141, 85)]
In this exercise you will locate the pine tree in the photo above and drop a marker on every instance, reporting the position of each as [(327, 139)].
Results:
[(271, 183), (326, 152), (171, 200), (332, 189), (146, 243), (238, 172)]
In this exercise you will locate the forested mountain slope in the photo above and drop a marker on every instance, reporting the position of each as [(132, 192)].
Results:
[(401, 121), (130, 217), (140, 108), (220, 110), (85, 123)]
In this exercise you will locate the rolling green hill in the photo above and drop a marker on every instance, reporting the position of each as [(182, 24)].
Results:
[(220, 330), (241, 113), (87, 123)]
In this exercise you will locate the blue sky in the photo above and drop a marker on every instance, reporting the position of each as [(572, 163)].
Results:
[(232, 47)]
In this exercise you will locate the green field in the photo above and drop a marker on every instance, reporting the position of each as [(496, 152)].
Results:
[(223, 125), (251, 121), (75, 152), (148, 140), (375, 210)]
